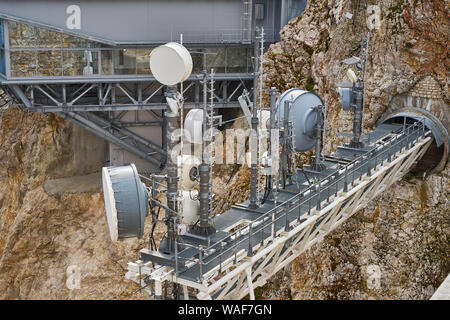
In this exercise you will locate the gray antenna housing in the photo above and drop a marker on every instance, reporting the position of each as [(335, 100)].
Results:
[(125, 201), (346, 92), (305, 116)]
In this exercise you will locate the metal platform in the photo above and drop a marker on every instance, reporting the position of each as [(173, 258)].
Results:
[(253, 244)]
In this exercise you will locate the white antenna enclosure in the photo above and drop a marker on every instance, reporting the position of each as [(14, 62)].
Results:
[(193, 125), (171, 63), (191, 206), (189, 170), (352, 76)]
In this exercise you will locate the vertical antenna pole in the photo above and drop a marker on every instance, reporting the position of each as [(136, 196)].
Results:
[(254, 143), (358, 115), (364, 62), (271, 155), (205, 227), (181, 129), (359, 90), (261, 64), (319, 137), (273, 101), (318, 166), (168, 243), (287, 105)]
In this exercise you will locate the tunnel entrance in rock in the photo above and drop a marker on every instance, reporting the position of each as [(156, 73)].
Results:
[(436, 156), (425, 101)]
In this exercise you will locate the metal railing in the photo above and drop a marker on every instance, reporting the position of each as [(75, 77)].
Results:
[(312, 197)]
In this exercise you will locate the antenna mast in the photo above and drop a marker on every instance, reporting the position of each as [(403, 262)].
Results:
[(254, 174), (168, 244), (260, 107), (205, 226), (353, 94)]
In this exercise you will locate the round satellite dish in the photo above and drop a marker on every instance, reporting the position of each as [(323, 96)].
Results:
[(305, 117), (171, 63), (125, 202), (193, 125)]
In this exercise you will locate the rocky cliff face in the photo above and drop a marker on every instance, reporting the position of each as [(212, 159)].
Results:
[(403, 236), (409, 44), (396, 248), (41, 235)]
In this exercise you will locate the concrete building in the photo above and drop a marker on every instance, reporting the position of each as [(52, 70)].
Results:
[(89, 61)]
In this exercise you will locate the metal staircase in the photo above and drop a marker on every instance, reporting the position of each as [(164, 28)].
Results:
[(119, 136), (6, 99), (100, 124)]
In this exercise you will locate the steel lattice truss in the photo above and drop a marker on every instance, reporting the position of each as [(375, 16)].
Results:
[(100, 107), (123, 95)]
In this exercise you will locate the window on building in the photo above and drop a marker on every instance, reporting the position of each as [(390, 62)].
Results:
[(2, 49), (69, 41), (259, 11), (21, 35), (197, 60), (43, 52), (236, 60), (80, 63), (2, 61), (143, 61), (23, 63), (125, 61), (215, 59), (49, 63), (107, 62), (295, 8), (2, 34), (48, 39), (250, 62)]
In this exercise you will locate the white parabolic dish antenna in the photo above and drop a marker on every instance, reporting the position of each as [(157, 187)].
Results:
[(125, 202), (171, 63), (304, 116)]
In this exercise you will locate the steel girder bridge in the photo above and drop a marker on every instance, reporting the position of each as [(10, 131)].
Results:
[(254, 244)]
